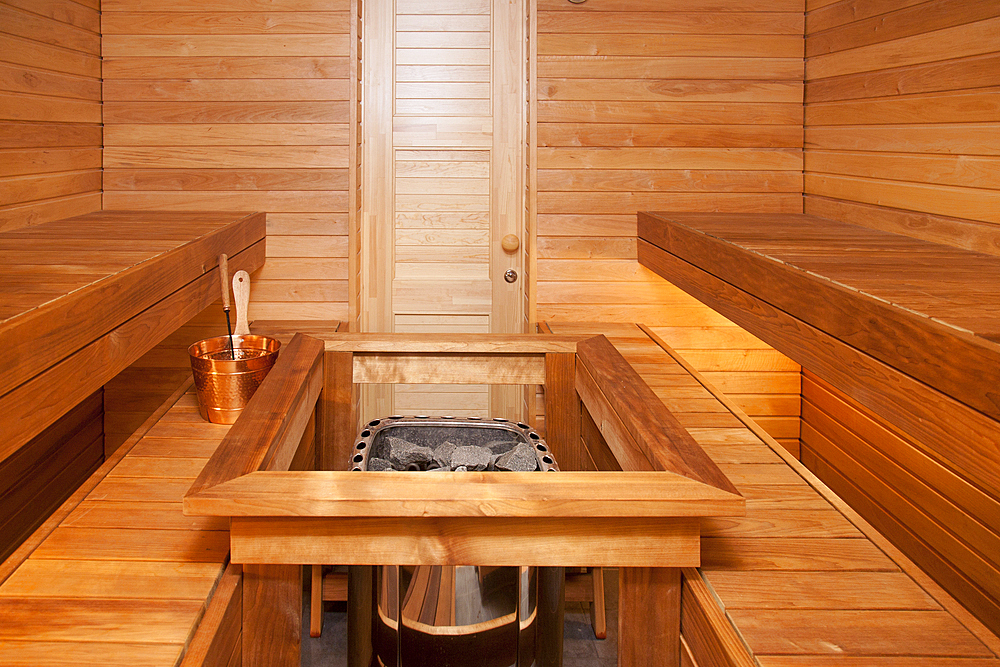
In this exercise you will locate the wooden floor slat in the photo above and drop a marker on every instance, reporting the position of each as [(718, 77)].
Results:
[(857, 632), (94, 620), (75, 578), (792, 553), (136, 488), (781, 523), (140, 514), (17, 653), (819, 590), (175, 447), (156, 467), (195, 546)]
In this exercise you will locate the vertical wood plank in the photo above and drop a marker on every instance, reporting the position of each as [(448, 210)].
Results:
[(340, 421), (272, 615), (562, 410), (649, 616)]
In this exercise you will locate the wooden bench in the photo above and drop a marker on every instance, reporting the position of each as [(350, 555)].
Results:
[(899, 341), (118, 575), (80, 300), (801, 580)]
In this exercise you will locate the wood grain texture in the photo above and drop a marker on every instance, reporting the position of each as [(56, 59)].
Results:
[(43, 473), (633, 115), (663, 440), (709, 635), (649, 613), (773, 563), (464, 541), (911, 340), (930, 504), (875, 65), (124, 582), (50, 74), (619, 130), (172, 258), (272, 615), (563, 411), (197, 99), (482, 494), (70, 380), (219, 633)]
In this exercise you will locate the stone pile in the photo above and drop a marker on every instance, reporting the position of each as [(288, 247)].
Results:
[(503, 455)]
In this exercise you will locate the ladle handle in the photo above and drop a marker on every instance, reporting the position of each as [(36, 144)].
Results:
[(241, 292), (224, 277)]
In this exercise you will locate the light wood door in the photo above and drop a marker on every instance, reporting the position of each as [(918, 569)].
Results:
[(444, 122)]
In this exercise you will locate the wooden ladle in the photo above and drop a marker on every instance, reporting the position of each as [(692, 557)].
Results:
[(241, 295)]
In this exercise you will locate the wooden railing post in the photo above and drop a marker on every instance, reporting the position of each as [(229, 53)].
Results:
[(338, 405), (562, 410)]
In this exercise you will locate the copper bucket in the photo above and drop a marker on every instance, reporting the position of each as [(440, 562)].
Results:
[(224, 384)]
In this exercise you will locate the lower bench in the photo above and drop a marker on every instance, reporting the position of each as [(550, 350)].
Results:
[(118, 575), (801, 580)]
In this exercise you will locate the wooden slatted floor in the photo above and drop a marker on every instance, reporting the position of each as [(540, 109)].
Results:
[(804, 580), (119, 576)]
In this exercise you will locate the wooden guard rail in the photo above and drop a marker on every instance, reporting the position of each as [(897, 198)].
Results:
[(649, 526)]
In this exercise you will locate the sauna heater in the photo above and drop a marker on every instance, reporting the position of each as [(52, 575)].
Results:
[(453, 616)]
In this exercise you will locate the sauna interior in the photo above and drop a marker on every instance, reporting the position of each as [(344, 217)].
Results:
[(763, 233)]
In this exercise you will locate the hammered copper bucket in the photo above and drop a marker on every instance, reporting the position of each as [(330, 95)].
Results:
[(224, 384)]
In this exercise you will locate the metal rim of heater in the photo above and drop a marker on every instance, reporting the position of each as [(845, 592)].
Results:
[(359, 456)]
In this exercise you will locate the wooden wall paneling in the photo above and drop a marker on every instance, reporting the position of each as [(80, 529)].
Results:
[(903, 109), (50, 112), (633, 114), (226, 106), (43, 473), (947, 525)]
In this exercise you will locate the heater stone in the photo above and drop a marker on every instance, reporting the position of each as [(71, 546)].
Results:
[(472, 457), (442, 454), (377, 464), (520, 459), (404, 455)]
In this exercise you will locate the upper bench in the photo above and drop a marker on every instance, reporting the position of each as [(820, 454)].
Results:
[(928, 310), (905, 334), (83, 298)]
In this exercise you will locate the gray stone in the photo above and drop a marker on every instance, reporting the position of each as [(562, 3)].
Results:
[(375, 463), (520, 459), (472, 457), (500, 446), (461, 469), (404, 455), (442, 454)]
